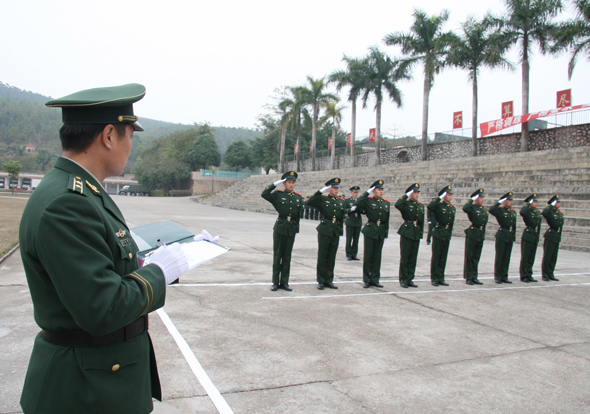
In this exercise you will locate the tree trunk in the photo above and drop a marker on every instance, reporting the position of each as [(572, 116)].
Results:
[(282, 150), (333, 153), (425, 115), (474, 116), (353, 134), (524, 135), (378, 133), (298, 142), (314, 124)]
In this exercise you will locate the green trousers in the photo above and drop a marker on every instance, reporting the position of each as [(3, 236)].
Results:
[(550, 251), (408, 259), (528, 252), (373, 249), (472, 255), (438, 262), (429, 237), (281, 264), (352, 241), (327, 249), (502, 263)]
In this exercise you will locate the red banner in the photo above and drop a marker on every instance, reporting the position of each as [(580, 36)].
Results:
[(348, 140), (457, 119), (330, 143), (372, 135), (507, 109), (295, 148), (310, 146), (490, 127), (564, 98)]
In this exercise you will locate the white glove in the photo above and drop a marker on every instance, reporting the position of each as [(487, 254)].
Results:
[(340, 239), (385, 240), (279, 181), (420, 242), (205, 235), (172, 260), (501, 200), (475, 197), (352, 208), (323, 190), (409, 192), (554, 202), (442, 195), (370, 190), (295, 236)]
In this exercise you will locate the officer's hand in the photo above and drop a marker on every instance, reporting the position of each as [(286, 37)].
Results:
[(409, 193), (172, 260), (352, 208), (442, 195), (370, 190), (279, 181), (323, 190), (205, 235)]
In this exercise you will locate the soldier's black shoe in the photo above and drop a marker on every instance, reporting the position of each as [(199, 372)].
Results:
[(443, 283), (552, 278), (286, 287), (355, 258), (331, 286), (428, 243), (532, 280), (404, 285), (377, 285), (477, 282), (366, 285), (411, 284), (499, 282), (348, 258), (274, 288), (506, 281), (435, 283), (525, 280), (320, 286), (469, 282), (546, 279)]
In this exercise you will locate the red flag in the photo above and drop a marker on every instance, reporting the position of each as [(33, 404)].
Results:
[(310, 146), (348, 140), (457, 119), (372, 135), (564, 98), (507, 109), (295, 148), (330, 143)]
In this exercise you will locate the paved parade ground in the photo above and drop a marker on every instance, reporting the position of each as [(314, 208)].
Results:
[(225, 343)]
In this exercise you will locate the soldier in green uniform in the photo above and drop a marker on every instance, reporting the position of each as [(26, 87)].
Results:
[(475, 235), (289, 206), (444, 214), (530, 237), (431, 224), (555, 219), (333, 212), (411, 232), (505, 236), (375, 232), (353, 223), (94, 354)]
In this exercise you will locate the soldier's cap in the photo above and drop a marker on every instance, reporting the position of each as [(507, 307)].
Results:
[(413, 187), (507, 196), (334, 182), (355, 188), (110, 105), (290, 175), (378, 184), (554, 198), (447, 189), (479, 192), (531, 198)]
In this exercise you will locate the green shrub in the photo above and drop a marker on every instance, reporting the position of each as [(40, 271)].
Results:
[(180, 193), (157, 193)]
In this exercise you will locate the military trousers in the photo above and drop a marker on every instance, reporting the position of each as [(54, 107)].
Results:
[(528, 251), (473, 251), (352, 241), (550, 251), (373, 249), (408, 259), (281, 264), (327, 249), (438, 262), (502, 262)]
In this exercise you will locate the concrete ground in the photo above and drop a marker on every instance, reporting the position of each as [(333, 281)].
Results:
[(494, 348)]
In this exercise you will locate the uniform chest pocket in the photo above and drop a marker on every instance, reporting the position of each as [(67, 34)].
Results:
[(111, 357), (126, 248)]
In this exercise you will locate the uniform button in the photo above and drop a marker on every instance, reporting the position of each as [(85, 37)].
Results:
[(130, 255), (115, 367)]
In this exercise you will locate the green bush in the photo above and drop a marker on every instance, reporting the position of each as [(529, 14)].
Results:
[(157, 193), (180, 193)]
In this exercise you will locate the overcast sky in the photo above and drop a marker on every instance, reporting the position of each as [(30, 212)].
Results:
[(219, 61)]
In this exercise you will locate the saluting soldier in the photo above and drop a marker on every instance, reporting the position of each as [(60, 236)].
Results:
[(444, 214), (475, 235), (333, 212), (353, 223), (90, 298), (289, 206), (375, 232), (555, 219), (505, 236), (530, 237), (411, 232)]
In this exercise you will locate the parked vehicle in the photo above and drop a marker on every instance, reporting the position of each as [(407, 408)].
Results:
[(134, 190)]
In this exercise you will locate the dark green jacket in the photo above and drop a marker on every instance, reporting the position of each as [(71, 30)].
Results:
[(289, 205), (507, 220), (532, 221), (444, 214), (82, 271), (555, 219), (355, 218), (377, 212), (413, 216), (478, 216), (333, 212)]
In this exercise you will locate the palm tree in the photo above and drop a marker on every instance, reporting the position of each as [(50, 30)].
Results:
[(525, 23), (428, 44), (380, 76), (297, 111), (283, 109), (575, 34), (333, 112), (479, 46), (316, 96), (352, 76)]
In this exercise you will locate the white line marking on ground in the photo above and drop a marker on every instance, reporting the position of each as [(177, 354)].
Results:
[(193, 362)]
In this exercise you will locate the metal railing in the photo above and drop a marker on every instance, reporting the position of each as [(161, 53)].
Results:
[(227, 174)]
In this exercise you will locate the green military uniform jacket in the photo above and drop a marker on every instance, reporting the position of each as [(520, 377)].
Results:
[(377, 212), (413, 216), (333, 212), (532, 220), (355, 218), (555, 219), (478, 216), (444, 214), (507, 220), (289, 205), (82, 270)]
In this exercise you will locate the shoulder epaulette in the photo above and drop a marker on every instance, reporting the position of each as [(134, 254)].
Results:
[(387, 200), (420, 203), (281, 191), (324, 195), (75, 184), (485, 207), (502, 207), (297, 193)]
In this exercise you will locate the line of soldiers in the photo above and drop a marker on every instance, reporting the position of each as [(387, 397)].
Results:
[(335, 212)]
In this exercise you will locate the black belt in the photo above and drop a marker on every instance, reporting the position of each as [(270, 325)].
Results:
[(82, 338), (557, 229), (288, 218), (508, 228), (415, 222), (534, 228), (479, 227), (446, 226), (377, 222), (332, 219)]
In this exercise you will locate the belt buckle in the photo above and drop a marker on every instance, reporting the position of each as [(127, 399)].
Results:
[(378, 223), (334, 219), (416, 223), (288, 218)]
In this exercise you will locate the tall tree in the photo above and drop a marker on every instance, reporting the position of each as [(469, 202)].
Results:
[(238, 155), (13, 169), (333, 112), (428, 44), (525, 23), (297, 115), (204, 152), (478, 46), (574, 35)]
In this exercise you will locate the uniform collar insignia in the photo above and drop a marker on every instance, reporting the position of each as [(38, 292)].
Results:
[(93, 188), (121, 233)]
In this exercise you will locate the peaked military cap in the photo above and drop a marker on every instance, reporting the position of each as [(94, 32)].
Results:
[(110, 105), (507, 196), (334, 182), (531, 198), (447, 189), (479, 192), (413, 187), (378, 184), (355, 188), (289, 175), (554, 198)]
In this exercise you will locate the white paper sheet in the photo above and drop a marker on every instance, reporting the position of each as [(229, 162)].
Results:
[(201, 251)]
